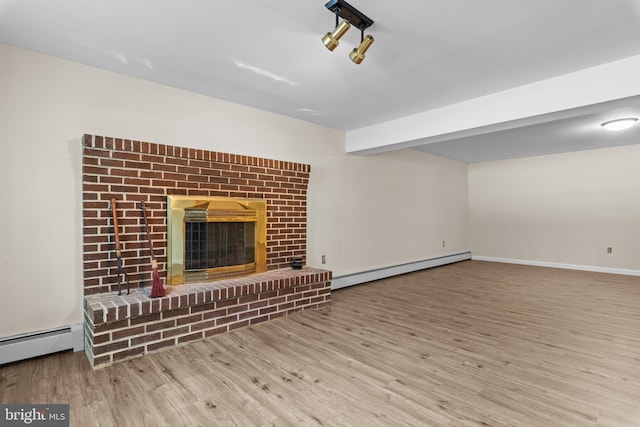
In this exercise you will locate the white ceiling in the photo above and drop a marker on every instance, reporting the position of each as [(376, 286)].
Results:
[(268, 55)]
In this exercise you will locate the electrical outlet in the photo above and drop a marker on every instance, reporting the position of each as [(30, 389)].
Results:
[(443, 244), (609, 250), (324, 259)]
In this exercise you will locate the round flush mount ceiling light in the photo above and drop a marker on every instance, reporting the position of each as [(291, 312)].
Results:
[(620, 124)]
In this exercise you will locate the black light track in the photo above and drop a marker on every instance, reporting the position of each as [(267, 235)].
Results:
[(350, 14)]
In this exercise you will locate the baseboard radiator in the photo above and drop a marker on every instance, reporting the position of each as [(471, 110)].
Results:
[(382, 273), (21, 347)]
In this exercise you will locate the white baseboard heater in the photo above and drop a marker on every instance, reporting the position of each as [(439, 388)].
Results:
[(20, 347), (383, 273)]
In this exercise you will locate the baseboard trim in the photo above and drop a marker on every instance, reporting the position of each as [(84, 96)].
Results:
[(26, 346), (623, 271), (383, 273)]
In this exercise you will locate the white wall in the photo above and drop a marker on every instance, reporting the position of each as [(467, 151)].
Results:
[(563, 208), (385, 209), (364, 212)]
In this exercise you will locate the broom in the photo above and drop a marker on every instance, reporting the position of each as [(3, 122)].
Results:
[(157, 290)]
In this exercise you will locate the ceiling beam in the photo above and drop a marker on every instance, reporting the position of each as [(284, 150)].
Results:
[(534, 103)]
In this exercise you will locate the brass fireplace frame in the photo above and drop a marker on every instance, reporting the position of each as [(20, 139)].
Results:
[(218, 209)]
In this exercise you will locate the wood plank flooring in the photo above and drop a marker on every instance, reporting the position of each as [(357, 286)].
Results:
[(469, 344)]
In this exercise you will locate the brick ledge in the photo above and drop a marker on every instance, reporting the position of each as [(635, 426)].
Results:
[(110, 307)]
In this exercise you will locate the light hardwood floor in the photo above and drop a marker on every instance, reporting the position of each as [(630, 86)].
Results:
[(469, 344)]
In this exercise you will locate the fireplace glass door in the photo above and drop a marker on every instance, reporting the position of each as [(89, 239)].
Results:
[(213, 238), (218, 244)]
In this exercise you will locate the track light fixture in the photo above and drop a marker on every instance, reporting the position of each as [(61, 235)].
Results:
[(350, 16)]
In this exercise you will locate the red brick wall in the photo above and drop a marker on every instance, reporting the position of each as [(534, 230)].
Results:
[(134, 171), (122, 327)]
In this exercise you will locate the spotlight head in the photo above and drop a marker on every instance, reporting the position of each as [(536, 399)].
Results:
[(330, 40), (357, 54)]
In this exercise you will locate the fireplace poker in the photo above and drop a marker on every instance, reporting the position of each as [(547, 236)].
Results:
[(121, 272), (157, 290)]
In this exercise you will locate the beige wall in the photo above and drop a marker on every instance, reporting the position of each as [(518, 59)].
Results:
[(388, 209), (364, 212), (564, 208)]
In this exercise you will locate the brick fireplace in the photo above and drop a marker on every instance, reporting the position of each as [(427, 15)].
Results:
[(122, 327)]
